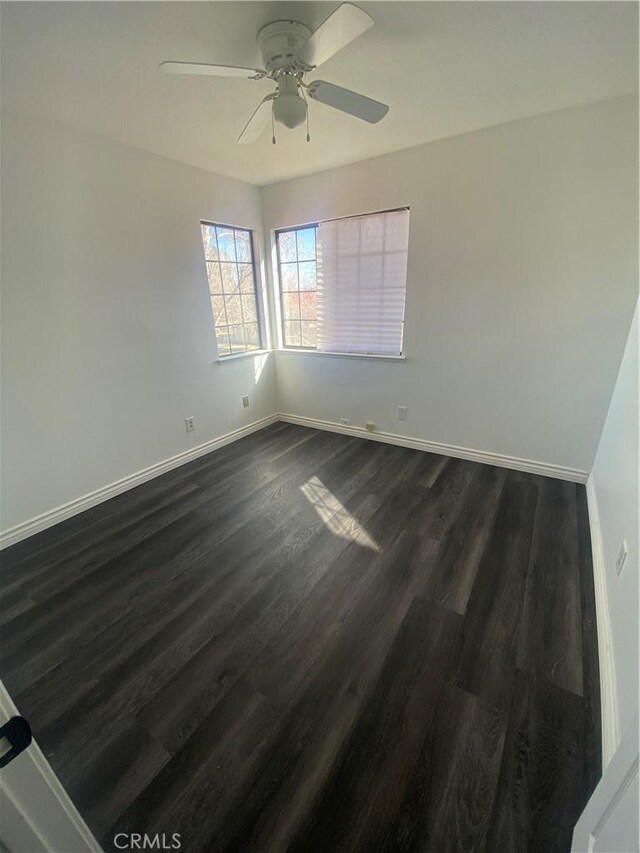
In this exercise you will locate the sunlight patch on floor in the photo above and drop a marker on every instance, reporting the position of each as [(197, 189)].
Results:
[(338, 519)]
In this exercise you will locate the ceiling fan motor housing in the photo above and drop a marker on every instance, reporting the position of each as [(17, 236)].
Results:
[(279, 42)]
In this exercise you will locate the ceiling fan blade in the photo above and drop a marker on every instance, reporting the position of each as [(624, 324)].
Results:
[(257, 122), (341, 27), (349, 102), (211, 69)]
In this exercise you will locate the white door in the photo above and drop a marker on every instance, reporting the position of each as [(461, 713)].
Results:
[(36, 813), (609, 823)]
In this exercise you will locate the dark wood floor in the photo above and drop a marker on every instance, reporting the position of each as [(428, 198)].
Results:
[(310, 642)]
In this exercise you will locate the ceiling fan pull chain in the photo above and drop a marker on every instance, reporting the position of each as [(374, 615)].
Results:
[(273, 126)]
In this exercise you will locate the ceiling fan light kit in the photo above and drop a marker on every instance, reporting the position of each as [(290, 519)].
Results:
[(289, 107), (289, 51)]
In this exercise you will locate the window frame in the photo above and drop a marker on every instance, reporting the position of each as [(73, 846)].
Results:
[(260, 314), (305, 350)]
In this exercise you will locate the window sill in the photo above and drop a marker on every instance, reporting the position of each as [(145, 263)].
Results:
[(227, 359), (366, 356)]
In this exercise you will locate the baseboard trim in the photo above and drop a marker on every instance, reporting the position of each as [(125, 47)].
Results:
[(47, 519), (608, 692), (529, 466), (15, 534)]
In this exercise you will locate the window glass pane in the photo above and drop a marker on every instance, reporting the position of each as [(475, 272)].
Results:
[(307, 276), (298, 284), (234, 311), (251, 335), (291, 306), (226, 244), (287, 246), (245, 274), (308, 310), (236, 338), (292, 333), (209, 242), (222, 338), (217, 306), (289, 277), (215, 280), (306, 244), (249, 308), (230, 278), (308, 334), (243, 246)]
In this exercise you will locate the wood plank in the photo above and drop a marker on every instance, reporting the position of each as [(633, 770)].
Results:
[(79, 539), (318, 624), (449, 799), (437, 465), (268, 811), (491, 627), (464, 542), (371, 773), (539, 796), (198, 784), (121, 771), (73, 567), (551, 637), (445, 498)]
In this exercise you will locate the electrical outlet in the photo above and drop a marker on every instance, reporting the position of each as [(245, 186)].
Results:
[(190, 424), (345, 421), (402, 413), (245, 402), (370, 426), (622, 556)]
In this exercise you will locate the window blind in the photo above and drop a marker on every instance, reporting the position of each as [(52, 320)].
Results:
[(361, 281)]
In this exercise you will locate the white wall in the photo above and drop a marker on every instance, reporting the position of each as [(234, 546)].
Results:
[(107, 336), (615, 484), (523, 265), (521, 284)]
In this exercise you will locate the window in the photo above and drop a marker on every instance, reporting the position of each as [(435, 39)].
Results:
[(232, 286), (343, 283), (298, 286)]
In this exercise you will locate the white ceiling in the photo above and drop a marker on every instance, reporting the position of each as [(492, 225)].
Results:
[(444, 67)]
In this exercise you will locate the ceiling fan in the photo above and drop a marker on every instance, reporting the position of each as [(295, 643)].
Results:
[(289, 51)]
